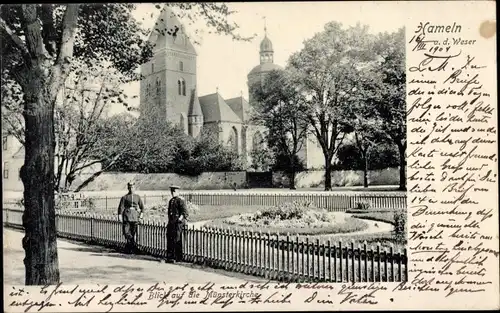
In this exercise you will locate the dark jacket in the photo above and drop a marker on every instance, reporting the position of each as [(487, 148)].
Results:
[(177, 207), (130, 207)]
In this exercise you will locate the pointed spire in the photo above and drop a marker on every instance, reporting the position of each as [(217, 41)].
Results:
[(217, 89), (265, 27), (194, 104)]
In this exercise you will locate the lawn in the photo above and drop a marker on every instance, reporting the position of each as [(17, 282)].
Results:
[(386, 240), (205, 212), (380, 216)]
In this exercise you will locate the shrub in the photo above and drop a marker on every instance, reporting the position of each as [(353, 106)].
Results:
[(363, 205), (382, 155), (89, 204), (400, 217), (287, 211), (297, 214), (282, 163)]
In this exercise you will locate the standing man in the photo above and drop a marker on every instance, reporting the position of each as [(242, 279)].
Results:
[(177, 215), (130, 212)]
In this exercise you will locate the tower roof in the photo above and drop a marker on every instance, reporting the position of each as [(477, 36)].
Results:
[(266, 45), (264, 68), (194, 105), (169, 32)]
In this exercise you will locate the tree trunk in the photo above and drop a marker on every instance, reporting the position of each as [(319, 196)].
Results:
[(365, 171), (37, 174), (328, 174), (292, 173), (402, 166), (41, 81)]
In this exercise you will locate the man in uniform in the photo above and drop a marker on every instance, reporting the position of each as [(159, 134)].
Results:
[(130, 212), (177, 215)]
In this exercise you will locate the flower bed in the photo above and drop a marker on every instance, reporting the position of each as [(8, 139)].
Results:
[(294, 218)]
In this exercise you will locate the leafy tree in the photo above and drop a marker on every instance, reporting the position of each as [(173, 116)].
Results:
[(382, 155), (115, 143), (391, 102), (150, 147), (280, 107), (362, 118), (80, 115), (41, 43), (204, 153), (327, 69), (158, 147), (262, 158), (81, 125), (283, 163)]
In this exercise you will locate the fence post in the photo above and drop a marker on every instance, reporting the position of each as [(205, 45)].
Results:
[(340, 263), (366, 261), (353, 262), (393, 276), (92, 228), (379, 278)]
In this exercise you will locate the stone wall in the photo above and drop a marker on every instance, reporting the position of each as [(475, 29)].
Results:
[(118, 181), (222, 180), (311, 179)]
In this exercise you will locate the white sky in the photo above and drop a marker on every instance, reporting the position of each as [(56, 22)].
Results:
[(225, 63)]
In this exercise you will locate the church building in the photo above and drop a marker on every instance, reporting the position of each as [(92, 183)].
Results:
[(168, 90)]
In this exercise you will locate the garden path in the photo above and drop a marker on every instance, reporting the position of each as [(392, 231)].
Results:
[(84, 264)]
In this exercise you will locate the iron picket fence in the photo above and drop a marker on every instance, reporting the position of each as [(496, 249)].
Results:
[(333, 202), (273, 256)]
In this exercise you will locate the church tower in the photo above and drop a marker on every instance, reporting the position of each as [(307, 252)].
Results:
[(266, 49), (195, 115), (259, 72), (170, 75)]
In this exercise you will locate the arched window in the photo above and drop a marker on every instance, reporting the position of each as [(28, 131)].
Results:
[(233, 139), (258, 141), (148, 89), (181, 66), (181, 87)]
